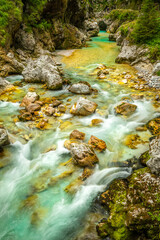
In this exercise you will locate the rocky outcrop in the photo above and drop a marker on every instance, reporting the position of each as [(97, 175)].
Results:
[(81, 88), (125, 109), (83, 107), (154, 152), (134, 207), (4, 140), (77, 135), (43, 70), (83, 155), (92, 28)]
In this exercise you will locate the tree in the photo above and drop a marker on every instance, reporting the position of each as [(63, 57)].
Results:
[(147, 25)]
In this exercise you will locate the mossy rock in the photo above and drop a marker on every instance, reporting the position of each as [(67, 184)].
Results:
[(144, 158)]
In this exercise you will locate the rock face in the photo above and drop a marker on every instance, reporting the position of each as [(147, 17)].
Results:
[(81, 88), (83, 155), (97, 143), (83, 107), (3, 137), (125, 109), (25, 40), (156, 70), (43, 70), (154, 161), (154, 82), (134, 207), (92, 28), (3, 83)]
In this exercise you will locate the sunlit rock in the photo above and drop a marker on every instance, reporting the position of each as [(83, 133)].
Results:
[(125, 109), (83, 107), (83, 155), (97, 143), (33, 107), (62, 108), (30, 97), (49, 111)]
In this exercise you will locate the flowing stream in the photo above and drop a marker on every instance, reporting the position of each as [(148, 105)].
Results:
[(50, 212)]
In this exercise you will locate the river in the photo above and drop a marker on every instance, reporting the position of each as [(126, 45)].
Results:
[(31, 209)]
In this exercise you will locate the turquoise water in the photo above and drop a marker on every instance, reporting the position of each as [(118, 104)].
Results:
[(50, 212)]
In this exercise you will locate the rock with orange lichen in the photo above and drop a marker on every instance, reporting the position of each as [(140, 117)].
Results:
[(97, 143), (83, 107), (132, 141), (96, 122), (87, 172), (125, 109), (154, 126), (49, 111), (62, 108), (83, 155), (77, 135), (43, 124)]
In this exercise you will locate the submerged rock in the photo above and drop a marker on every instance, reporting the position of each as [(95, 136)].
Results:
[(83, 107), (4, 140), (43, 70), (83, 155), (97, 143), (96, 122), (132, 141), (81, 88), (154, 152), (125, 109)]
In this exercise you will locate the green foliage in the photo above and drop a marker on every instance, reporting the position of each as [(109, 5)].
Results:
[(34, 10), (9, 11), (125, 28), (148, 24), (122, 15)]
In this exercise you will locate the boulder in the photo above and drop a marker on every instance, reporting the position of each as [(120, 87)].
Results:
[(49, 111), (3, 83), (125, 109), (62, 108), (31, 108), (154, 126), (83, 155), (77, 135), (4, 140), (97, 143), (83, 107), (43, 70), (154, 152), (81, 88), (92, 28), (30, 97)]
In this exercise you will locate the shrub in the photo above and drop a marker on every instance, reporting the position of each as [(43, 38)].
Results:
[(122, 15)]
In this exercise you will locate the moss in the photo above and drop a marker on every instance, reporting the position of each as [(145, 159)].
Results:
[(144, 158), (122, 15)]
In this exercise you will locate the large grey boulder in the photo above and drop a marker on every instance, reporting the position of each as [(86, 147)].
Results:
[(83, 107), (43, 70), (92, 28), (83, 155), (154, 161), (4, 140), (81, 88)]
